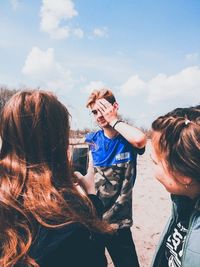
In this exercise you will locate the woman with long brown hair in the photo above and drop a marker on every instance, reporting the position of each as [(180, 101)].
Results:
[(45, 221), (176, 158)]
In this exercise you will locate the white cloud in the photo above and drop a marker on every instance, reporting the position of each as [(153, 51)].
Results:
[(46, 71), (184, 85), (133, 86), (53, 13), (39, 62), (192, 57), (93, 85), (143, 101), (60, 33), (100, 32), (78, 32)]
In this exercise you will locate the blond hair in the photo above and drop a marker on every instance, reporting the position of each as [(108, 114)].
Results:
[(98, 94)]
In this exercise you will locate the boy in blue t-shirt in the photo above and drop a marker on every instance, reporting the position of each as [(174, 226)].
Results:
[(113, 154)]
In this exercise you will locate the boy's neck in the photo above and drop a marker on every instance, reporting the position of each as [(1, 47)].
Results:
[(109, 132)]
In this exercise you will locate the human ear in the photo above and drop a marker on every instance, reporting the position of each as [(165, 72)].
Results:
[(116, 105), (184, 180)]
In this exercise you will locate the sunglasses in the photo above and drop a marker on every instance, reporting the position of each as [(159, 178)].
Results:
[(94, 111)]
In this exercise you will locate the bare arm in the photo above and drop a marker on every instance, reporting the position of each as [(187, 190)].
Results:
[(132, 134)]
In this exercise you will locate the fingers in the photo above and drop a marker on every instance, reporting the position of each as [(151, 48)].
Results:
[(81, 190), (78, 175), (108, 111), (103, 104), (80, 179), (86, 181)]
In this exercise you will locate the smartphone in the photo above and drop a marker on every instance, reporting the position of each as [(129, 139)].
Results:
[(80, 158)]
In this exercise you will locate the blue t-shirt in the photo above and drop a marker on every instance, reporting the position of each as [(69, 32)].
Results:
[(109, 151), (114, 161)]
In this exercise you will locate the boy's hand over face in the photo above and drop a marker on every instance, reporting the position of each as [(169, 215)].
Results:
[(108, 111)]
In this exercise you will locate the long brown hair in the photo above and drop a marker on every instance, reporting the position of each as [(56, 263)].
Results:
[(36, 185), (179, 140)]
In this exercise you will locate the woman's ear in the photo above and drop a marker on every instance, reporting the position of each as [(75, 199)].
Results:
[(184, 180)]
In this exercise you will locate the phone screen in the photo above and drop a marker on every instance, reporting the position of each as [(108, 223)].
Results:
[(80, 159)]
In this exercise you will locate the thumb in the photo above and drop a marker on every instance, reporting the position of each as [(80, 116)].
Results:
[(78, 175)]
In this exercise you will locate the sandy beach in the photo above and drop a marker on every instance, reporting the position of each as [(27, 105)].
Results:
[(151, 209)]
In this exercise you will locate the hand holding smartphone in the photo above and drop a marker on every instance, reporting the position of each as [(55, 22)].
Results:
[(80, 159)]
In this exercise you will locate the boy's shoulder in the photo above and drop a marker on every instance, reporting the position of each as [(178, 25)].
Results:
[(93, 136)]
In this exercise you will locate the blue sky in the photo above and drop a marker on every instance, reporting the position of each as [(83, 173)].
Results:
[(147, 52)]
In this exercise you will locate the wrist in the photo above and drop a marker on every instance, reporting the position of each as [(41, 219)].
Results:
[(113, 123), (91, 191)]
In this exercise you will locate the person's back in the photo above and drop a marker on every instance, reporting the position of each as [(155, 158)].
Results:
[(45, 221)]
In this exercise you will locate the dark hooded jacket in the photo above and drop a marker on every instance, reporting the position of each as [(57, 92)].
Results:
[(70, 246)]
